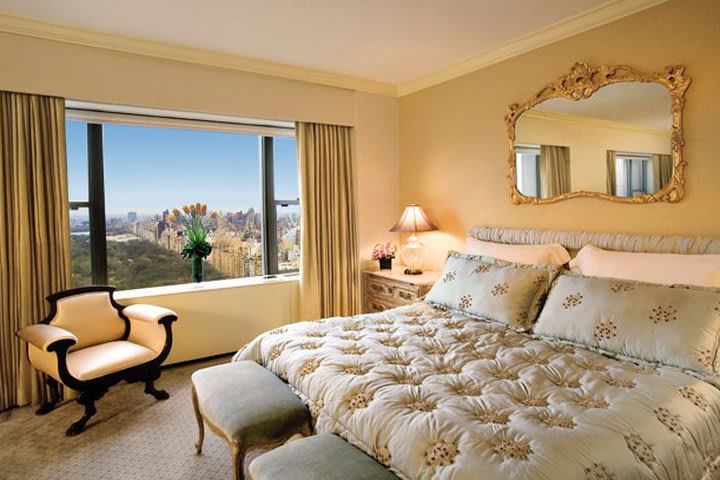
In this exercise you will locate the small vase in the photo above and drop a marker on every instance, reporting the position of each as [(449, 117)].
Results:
[(385, 263), (197, 269)]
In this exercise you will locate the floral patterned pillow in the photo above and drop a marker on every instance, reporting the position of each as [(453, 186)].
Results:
[(672, 325), (496, 290)]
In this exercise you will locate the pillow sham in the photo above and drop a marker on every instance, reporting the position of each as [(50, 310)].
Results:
[(492, 289), (664, 268), (672, 325), (550, 254)]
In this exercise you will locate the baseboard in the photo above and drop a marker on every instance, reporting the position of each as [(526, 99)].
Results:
[(197, 360)]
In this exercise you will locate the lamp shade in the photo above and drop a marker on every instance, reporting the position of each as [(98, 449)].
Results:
[(413, 219)]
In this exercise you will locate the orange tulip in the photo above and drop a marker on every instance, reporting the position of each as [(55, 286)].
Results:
[(203, 209), (213, 214), (198, 207), (171, 218), (192, 208), (186, 209), (176, 212)]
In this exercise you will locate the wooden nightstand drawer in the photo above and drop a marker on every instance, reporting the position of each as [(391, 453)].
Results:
[(374, 304), (408, 295), (378, 287), (386, 289)]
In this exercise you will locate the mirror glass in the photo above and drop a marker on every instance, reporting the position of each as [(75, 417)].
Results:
[(615, 142)]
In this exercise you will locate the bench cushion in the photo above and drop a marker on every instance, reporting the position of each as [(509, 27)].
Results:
[(320, 456), (247, 403)]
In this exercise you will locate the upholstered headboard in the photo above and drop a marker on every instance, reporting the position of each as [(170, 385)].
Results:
[(624, 242)]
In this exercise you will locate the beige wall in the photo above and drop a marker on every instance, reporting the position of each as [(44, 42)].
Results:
[(588, 145), (84, 73), (216, 321), (453, 144), (377, 173)]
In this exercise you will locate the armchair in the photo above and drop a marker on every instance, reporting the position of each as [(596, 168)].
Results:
[(89, 342)]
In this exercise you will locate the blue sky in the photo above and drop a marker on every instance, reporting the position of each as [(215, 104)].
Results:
[(149, 169)]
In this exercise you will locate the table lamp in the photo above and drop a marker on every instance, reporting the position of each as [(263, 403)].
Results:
[(412, 253)]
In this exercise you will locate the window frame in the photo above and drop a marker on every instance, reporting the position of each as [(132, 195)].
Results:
[(270, 204), (95, 203)]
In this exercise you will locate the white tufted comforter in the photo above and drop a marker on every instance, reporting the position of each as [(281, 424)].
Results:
[(433, 394)]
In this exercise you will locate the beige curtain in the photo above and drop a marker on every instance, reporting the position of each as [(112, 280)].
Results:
[(554, 170), (34, 230), (662, 170), (330, 284), (611, 180)]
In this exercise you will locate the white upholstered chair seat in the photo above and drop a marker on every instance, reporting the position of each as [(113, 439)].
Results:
[(98, 360)]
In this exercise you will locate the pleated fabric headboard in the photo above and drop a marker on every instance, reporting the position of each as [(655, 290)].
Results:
[(623, 242)]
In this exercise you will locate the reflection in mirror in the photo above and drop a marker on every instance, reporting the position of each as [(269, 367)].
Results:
[(617, 142)]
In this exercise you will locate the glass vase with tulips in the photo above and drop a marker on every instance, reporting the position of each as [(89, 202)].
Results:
[(196, 223)]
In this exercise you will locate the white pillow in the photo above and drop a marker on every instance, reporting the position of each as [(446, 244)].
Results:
[(551, 254), (663, 268)]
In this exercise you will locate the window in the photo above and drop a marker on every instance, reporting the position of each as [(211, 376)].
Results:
[(126, 173), (633, 174), (527, 158)]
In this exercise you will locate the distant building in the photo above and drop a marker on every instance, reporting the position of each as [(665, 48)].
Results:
[(132, 217), (148, 230)]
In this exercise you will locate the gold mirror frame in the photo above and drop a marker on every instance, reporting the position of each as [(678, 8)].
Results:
[(581, 83)]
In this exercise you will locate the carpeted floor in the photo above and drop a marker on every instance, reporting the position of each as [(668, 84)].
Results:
[(132, 436)]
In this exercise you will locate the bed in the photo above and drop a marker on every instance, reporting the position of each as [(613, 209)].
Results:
[(434, 393)]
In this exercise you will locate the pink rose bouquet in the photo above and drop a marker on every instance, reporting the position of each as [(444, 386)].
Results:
[(383, 250)]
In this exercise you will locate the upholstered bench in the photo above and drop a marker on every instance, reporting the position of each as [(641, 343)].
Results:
[(248, 407), (326, 457)]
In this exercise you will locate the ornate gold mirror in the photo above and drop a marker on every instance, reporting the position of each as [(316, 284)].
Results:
[(604, 132)]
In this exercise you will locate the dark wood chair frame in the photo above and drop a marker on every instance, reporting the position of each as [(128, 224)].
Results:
[(92, 390)]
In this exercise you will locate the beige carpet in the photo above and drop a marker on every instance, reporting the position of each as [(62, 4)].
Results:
[(132, 436)]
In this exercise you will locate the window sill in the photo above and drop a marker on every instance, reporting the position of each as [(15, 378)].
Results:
[(206, 286)]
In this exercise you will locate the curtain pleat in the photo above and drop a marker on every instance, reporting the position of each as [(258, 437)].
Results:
[(554, 170), (611, 180), (662, 170), (329, 284), (34, 230)]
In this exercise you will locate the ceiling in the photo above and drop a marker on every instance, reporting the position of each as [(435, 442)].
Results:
[(641, 104), (388, 41)]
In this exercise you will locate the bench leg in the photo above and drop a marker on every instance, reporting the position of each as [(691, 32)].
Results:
[(201, 424), (238, 460)]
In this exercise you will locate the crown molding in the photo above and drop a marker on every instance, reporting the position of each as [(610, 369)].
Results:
[(596, 122), (574, 25), (32, 27)]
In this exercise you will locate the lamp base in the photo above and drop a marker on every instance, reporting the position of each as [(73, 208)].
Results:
[(415, 271)]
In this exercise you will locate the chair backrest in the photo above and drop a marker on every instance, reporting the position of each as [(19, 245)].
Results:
[(92, 316)]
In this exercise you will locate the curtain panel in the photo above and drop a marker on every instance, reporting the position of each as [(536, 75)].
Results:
[(329, 274), (34, 230), (662, 170), (554, 170), (611, 180)]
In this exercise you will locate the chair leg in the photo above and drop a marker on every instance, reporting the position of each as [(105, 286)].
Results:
[(200, 422), (238, 460), (88, 400), (52, 402), (151, 390)]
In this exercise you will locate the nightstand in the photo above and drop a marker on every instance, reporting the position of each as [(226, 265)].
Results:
[(386, 289)]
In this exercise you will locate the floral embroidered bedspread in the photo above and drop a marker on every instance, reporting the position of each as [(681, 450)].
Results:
[(438, 395)]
